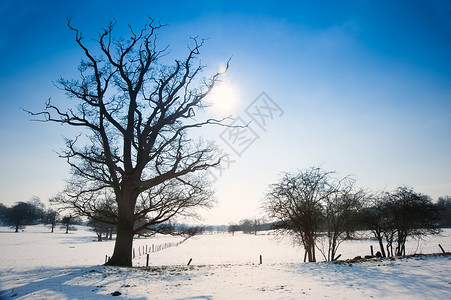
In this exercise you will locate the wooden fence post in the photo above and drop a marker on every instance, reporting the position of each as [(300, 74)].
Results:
[(147, 260), (190, 260), (261, 259), (372, 251), (441, 248)]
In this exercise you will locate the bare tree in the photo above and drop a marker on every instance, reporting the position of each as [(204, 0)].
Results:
[(296, 202), (233, 227), (102, 230), (247, 226), (68, 221), (50, 218), (444, 206), (374, 218), (23, 213), (138, 160), (191, 231), (340, 210), (251, 226), (412, 215), (395, 216), (3, 210), (259, 224)]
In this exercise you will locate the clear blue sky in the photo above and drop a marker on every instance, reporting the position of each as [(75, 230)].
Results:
[(364, 86)]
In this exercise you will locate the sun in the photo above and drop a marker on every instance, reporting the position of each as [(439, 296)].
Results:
[(223, 98)]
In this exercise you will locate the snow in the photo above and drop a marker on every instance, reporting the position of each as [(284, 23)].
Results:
[(37, 264)]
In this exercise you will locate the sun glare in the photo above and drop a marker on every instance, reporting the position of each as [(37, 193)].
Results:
[(223, 98)]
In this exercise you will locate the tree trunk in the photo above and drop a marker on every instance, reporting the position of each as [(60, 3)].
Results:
[(381, 246), (17, 228), (310, 249), (401, 243), (122, 255), (309, 254), (313, 253), (381, 243), (333, 247), (389, 249)]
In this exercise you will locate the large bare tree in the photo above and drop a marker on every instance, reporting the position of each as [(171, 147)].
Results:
[(135, 166)]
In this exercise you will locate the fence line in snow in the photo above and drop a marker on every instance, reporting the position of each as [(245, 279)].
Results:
[(147, 249)]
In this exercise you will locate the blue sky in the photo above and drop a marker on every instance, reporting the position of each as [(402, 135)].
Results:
[(364, 86)]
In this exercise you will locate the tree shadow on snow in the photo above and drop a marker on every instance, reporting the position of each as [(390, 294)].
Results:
[(386, 278), (96, 282), (196, 298), (68, 238)]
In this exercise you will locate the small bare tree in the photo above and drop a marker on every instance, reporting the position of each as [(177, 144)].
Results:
[(3, 210), (68, 221), (340, 211), (247, 226), (24, 213), (102, 230), (51, 218), (394, 217), (138, 160), (374, 218), (296, 202), (315, 207), (444, 206), (412, 215)]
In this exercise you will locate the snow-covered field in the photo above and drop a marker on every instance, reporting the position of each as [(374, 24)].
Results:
[(36, 264)]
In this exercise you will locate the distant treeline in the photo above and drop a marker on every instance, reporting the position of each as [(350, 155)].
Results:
[(34, 212)]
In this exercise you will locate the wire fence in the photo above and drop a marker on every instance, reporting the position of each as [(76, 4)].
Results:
[(152, 248)]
